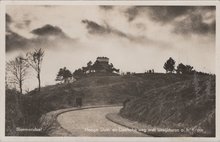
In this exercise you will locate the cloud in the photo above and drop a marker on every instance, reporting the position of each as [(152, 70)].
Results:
[(166, 14), (94, 28), (48, 30), (47, 36), (15, 41), (97, 29), (201, 21), (106, 7), (162, 14), (132, 12), (51, 35), (141, 26), (194, 24), (23, 24), (106, 30), (8, 20), (184, 19), (147, 39)]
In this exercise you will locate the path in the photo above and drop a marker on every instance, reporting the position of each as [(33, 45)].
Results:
[(92, 122)]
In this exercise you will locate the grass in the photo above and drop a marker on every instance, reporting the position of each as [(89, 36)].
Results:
[(185, 104), (21, 112), (107, 89)]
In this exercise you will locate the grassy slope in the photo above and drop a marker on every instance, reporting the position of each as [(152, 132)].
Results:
[(177, 105), (108, 89), (20, 115), (13, 113), (98, 90)]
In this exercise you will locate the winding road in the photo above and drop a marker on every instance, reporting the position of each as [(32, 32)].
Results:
[(92, 122)]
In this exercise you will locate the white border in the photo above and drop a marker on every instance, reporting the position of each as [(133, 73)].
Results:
[(101, 139)]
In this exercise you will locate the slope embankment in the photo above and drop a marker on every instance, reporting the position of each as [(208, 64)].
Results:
[(188, 105)]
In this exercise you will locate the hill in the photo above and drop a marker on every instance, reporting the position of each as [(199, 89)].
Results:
[(101, 89), (185, 104), (105, 89), (94, 89)]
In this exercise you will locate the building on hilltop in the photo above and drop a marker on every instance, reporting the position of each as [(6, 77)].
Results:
[(102, 59), (102, 65)]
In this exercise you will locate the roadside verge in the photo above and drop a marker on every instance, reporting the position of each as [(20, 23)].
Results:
[(143, 128)]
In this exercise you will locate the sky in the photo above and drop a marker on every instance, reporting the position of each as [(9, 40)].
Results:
[(135, 38)]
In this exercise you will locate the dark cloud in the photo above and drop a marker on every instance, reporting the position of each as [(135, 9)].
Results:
[(47, 30), (192, 23), (8, 18), (47, 37), (163, 13), (106, 7), (166, 14), (8, 21), (94, 28), (105, 30), (15, 41), (132, 12), (195, 22)]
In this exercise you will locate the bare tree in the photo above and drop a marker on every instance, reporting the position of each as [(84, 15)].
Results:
[(35, 59), (17, 69)]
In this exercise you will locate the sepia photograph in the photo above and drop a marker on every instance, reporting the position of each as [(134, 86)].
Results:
[(110, 70)]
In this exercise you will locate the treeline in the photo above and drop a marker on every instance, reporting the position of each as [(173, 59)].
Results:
[(18, 69), (64, 75), (170, 67)]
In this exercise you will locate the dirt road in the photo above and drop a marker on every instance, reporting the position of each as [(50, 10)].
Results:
[(92, 122)]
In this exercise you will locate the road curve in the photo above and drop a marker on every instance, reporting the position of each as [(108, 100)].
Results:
[(92, 122)]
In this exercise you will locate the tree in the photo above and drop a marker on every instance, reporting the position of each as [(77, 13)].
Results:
[(97, 66), (184, 69), (116, 70), (169, 66), (189, 69), (18, 69), (35, 60), (63, 75), (89, 66), (181, 68), (113, 69), (78, 73)]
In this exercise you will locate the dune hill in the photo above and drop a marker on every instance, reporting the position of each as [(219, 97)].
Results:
[(155, 99), (100, 89), (183, 104)]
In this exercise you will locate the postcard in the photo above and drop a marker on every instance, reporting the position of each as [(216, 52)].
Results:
[(109, 70)]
